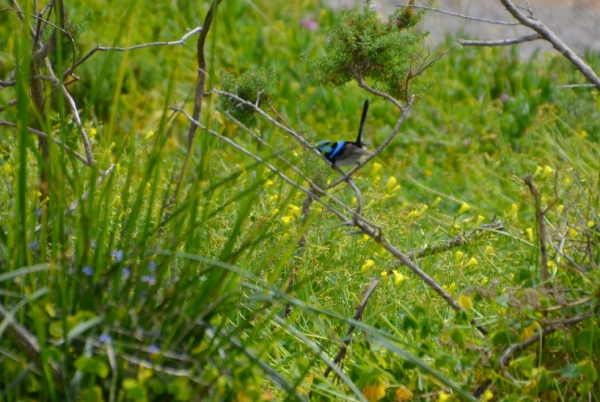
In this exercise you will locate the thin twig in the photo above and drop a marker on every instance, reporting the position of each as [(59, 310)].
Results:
[(55, 140), (26, 342), (357, 316), (457, 241), (467, 17), (500, 42), (99, 48), (558, 44), (542, 232)]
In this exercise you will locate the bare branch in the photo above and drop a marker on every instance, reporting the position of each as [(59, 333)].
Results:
[(467, 17), (457, 241), (357, 316), (500, 42), (558, 44), (71, 102), (99, 48), (27, 343), (551, 327), (41, 134), (542, 232)]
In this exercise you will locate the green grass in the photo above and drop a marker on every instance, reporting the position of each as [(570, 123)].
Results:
[(130, 305)]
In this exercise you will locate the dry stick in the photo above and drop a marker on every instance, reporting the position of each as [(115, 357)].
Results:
[(558, 44), (199, 95), (357, 316), (500, 42), (551, 327), (467, 17), (44, 135), (28, 344), (73, 106), (457, 241), (125, 49), (10, 103), (542, 233)]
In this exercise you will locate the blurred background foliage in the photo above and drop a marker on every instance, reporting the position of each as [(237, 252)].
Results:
[(131, 306)]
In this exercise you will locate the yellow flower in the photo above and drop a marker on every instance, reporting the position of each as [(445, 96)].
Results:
[(480, 220), (294, 210), (398, 278), (484, 280), (591, 224), (560, 209), (392, 186), (7, 168), (268, 183), (512, 214), (529, 234), (93, 133), (374, 394), (458, 257), (546, 172), (384, 275), (465, 302), (487, 396), (287, 220), (472, 261), (529, 331), (375, 169), (423, 209), (489, 251), (436, 202), (368, 264), (412, 214), (403, 394), (149, 135), (463, 208), (538, 170), (572, 232), (444, 397), (450, 288)]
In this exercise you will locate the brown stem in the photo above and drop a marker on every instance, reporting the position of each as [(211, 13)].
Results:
[(541, 226), (199, 95)]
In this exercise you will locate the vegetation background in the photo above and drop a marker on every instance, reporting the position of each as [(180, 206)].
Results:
[(126, 302)]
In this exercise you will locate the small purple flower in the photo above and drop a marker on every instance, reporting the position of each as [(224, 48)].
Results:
[(93, 244), (34, 245), (118, 255), (153, 348), (126, 272), (152, 266), (149, 279), (504, 97), (87, 270), (105, 338), (309, 24), (38, 212)]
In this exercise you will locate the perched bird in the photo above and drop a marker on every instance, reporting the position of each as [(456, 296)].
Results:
[(346, 152)]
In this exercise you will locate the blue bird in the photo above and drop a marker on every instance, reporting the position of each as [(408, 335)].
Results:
[(346, 152)]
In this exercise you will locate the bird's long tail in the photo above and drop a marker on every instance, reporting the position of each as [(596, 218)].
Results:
[(362, 122)]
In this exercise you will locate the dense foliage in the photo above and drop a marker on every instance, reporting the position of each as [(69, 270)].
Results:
[(127, 302)]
